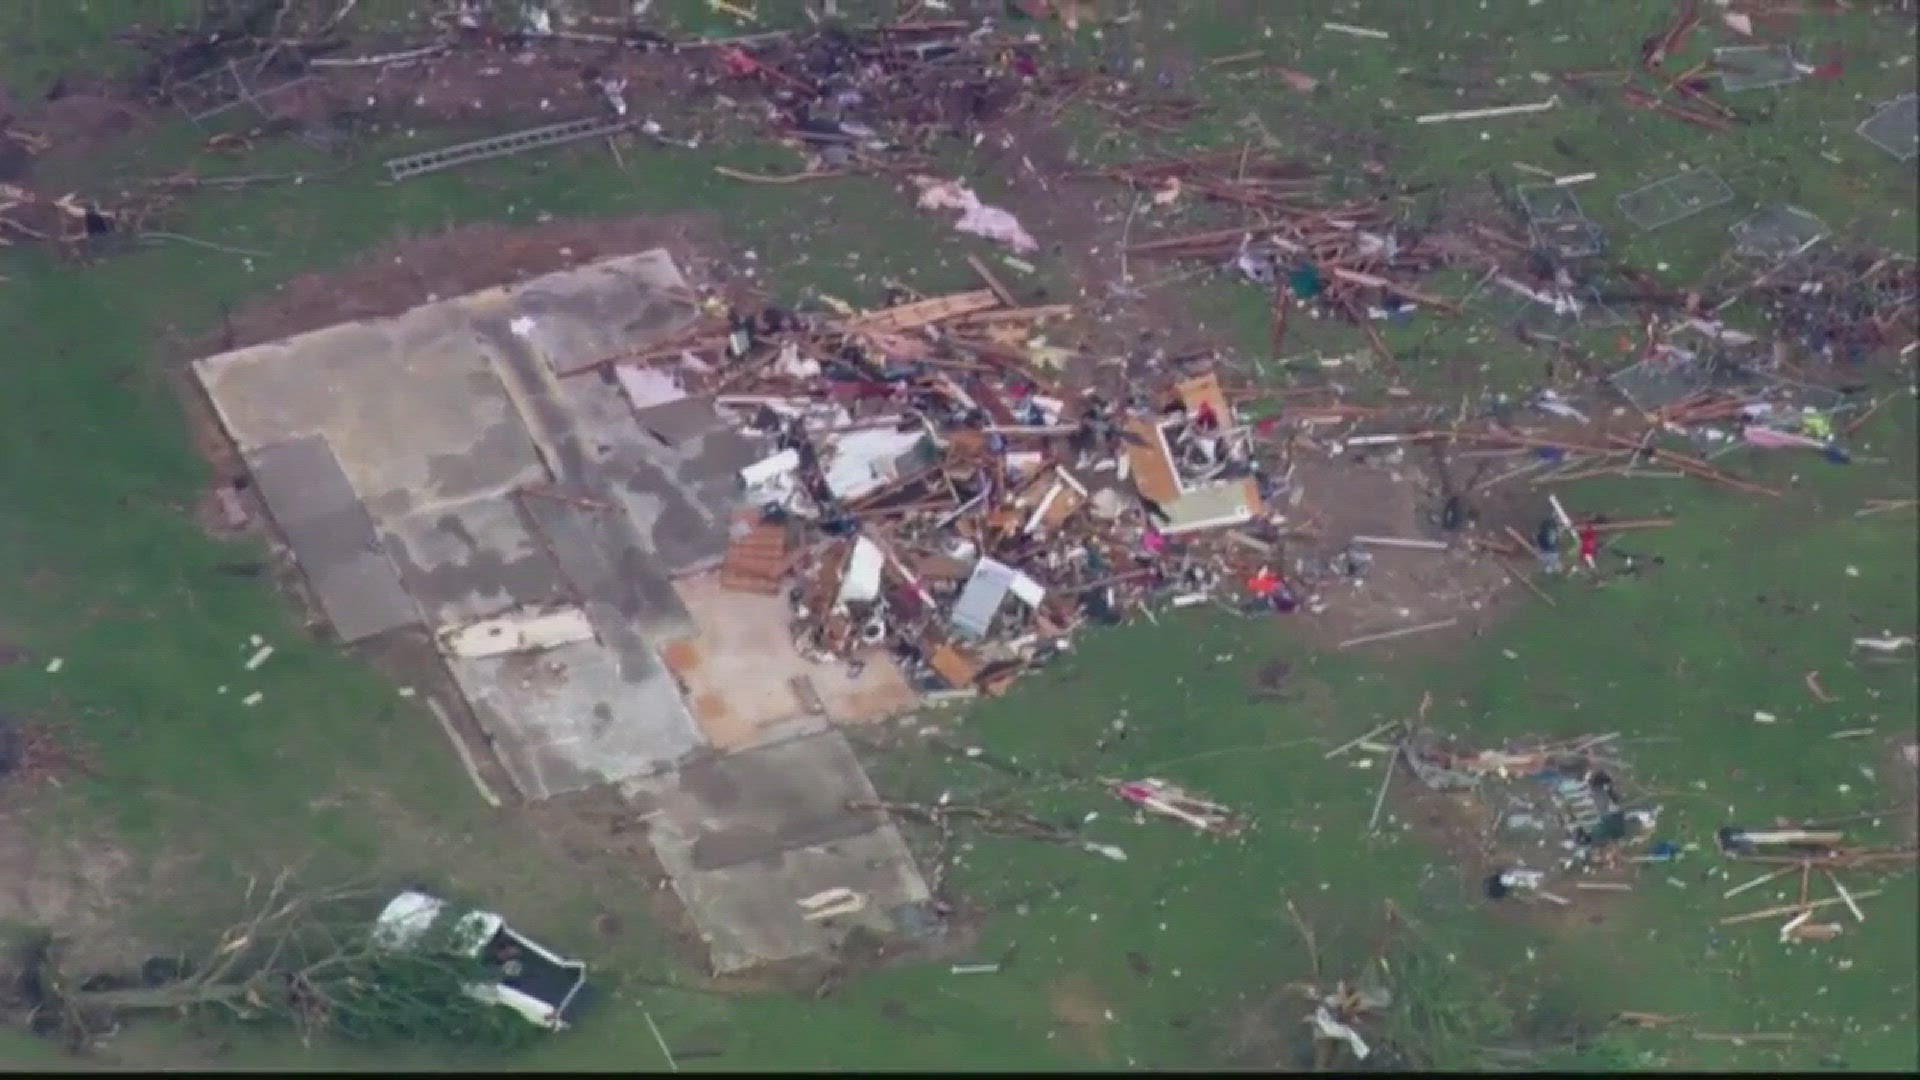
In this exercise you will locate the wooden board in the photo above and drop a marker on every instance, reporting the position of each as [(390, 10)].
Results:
[(923, 312), (956, 667), (1152, 472)]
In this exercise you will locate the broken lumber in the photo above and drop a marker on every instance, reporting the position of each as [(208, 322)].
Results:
[(1400, 542), (920, 313), (1351, 743), (1488, 114), (993, 283), (1642, 523), (1792, 909), (1376, 282), (1388, 635)]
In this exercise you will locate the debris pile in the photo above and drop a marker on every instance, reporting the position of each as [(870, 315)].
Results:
[(1558, 806), (933, 490), (1336, 1013), (67, 222), (1803, 849), (1169, 800), (1345, 258), (1842, 305), (848, 94)]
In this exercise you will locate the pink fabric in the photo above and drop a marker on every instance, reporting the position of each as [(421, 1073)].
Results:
[(1771, 439)]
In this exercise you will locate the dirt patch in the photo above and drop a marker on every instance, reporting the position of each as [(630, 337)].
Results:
[(1391, 498), (1461, 828), (1269, 1035), (405, 274), (1083, 1014), (82, 116), (34, 754), (548, 84), (72, 886)]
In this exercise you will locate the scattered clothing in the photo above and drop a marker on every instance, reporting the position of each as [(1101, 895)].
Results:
[(1589, 543), (1546, 539)]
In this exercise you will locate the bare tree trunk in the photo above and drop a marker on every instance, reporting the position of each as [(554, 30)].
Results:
[(178, 996)]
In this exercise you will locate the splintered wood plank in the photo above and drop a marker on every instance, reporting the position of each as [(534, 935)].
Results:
[(1152, 471), (923, 312), (957, 668)]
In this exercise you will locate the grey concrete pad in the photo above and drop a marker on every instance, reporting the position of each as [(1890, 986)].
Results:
[(677, 422), (750, 915), (332, 537), (613, 306), (741, 671), (578, 716), (746, 835), (601, 561), (472, 560), (679, 498), (680, 492), (410, 406)]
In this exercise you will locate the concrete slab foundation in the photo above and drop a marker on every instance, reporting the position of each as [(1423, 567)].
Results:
[(332, 537), (747, 836), (744, 679), (423, 468)]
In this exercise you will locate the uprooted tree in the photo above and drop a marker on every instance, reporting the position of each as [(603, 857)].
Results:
[(306, 959)]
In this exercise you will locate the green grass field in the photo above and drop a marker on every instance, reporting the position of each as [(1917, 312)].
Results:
[(1180, 956)]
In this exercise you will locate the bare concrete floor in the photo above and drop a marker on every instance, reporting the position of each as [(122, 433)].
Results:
[(438, 419), (746, 836), (745, 681)]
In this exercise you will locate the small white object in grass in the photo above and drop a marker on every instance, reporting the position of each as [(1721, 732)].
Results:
[(407, 691), (1853, 571), (259, 657), (54, 665), (1509, 654), (1761, 716), (256, 641), (220, 690), (1356, 31), (253, 698), (974, 751)]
